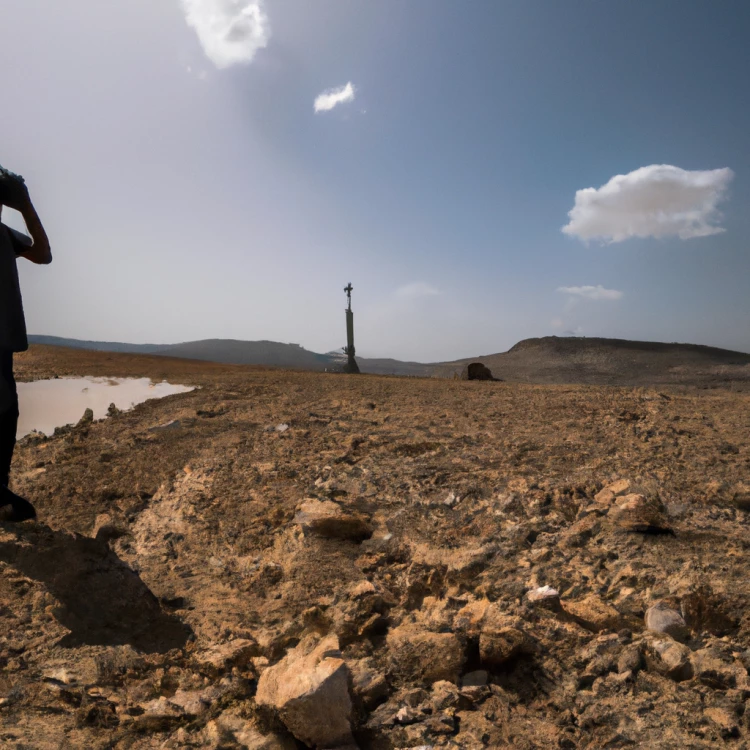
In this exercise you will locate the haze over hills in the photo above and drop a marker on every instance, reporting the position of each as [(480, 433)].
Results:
[(550, 359)]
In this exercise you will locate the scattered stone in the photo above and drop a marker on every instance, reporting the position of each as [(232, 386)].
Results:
[(158, 715), (451, 500), (173, 424), (444, 695), (499, 646), (477, 371), (477, 678), (630, 660), (594, 614), (665, 656), (423, 655), (611, 491), (408, 715), (232, 730), (223, 657), (368, 685), (309, 688), (195, 702), (661, 618), (580, 532), (717, 671), (544, 596), (86, 419), (637, 513), (725, 719), (327, 519)]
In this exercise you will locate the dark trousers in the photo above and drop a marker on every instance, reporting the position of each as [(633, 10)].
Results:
[(8, 418)]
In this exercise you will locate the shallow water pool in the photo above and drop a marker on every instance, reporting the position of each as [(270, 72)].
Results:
[(46, 404)]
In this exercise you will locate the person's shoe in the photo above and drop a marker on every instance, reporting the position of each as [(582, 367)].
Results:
[(14, 508)]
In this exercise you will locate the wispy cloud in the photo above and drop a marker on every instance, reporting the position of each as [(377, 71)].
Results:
[(416, 289), (230, 31), (332, 97), (655, 201), (591, 292)]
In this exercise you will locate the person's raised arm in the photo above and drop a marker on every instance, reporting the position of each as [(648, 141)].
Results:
[(39, 251)]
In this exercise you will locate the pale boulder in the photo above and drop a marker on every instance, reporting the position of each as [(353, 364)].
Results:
[(309, 688), (637, 513), (661, 618)]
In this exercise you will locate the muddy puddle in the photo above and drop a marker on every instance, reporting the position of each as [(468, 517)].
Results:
[(46, 404)]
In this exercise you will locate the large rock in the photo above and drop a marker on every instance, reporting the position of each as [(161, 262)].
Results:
[(593, 614), (661, 618), (665, 656), (309, 688), (637, 513), (477, 371), (328, 519), (425, 656), (499, 646)]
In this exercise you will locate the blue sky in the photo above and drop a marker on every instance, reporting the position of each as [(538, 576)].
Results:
[(191, 190)]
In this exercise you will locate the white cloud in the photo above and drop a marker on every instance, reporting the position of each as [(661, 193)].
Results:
[(416, 289), (654, 201), (230, 31), (331, 97), (591, 292)]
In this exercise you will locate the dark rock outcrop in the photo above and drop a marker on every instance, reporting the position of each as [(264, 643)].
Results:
[(477, 371)]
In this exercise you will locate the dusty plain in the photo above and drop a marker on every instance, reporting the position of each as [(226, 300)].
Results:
[(390, 542)]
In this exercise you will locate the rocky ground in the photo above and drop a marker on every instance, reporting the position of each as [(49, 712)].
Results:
[(280, 560)]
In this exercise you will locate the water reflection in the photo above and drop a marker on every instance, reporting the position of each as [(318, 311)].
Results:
[(46, 404)]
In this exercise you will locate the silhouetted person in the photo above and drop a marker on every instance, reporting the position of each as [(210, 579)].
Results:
[(13, 244)]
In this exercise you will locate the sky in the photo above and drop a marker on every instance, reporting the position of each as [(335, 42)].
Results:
[(480, 172)]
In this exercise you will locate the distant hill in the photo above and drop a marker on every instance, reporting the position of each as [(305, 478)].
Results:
[(554, 359), (228, 351), (551, 359), (236, 352), (101, 346)]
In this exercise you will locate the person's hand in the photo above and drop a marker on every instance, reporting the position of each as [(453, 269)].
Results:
[(13, 191)]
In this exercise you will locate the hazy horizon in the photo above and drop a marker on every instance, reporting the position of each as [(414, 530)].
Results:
[(360, 355), (481, 173)]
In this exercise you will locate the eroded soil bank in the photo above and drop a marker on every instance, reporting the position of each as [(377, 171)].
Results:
[(380, 558)]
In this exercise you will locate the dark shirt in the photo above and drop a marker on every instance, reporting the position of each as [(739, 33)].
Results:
[(12, 322)]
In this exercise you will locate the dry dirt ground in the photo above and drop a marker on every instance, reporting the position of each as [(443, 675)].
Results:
[(174, 579)]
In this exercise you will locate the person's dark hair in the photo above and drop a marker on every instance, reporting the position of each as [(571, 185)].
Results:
[(11, 186)]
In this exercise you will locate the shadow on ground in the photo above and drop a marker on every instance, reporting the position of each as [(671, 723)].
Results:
[(101, 600)]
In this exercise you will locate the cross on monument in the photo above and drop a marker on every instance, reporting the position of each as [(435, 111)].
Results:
[(349, 289)]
